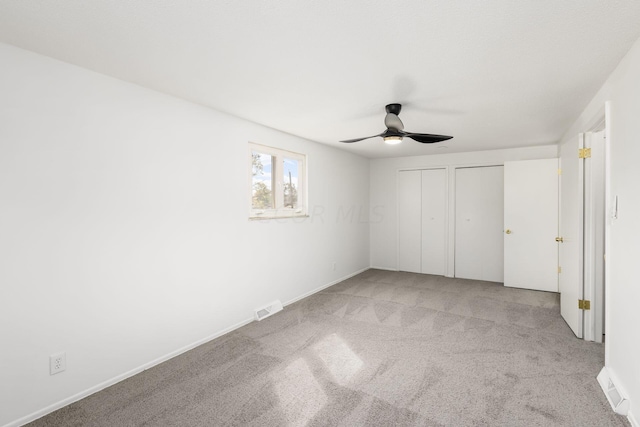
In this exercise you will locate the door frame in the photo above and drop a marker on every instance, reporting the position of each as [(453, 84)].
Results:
[(601, 121), (593, 225), (609, 217)]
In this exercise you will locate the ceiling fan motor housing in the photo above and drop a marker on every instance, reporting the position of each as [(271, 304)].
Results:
[(393, 108)]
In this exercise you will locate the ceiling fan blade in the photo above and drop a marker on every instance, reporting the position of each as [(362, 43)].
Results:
[(427, 138), (392, 121), (349, 141), (395, 130)]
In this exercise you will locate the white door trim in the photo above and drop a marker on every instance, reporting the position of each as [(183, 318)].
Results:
[(607, 225)]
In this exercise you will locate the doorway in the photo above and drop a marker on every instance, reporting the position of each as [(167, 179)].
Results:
[(594, 234), (583, 189)]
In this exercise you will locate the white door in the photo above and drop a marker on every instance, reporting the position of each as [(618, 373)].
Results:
[(571, 231), (531, 224), (594, 230), (434, 225), (479, 198), (409, 221)]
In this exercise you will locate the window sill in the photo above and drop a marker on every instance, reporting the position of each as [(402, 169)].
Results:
[(277, 216)]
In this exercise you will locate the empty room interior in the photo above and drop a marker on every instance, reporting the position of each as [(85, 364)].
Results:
[(319, 213)]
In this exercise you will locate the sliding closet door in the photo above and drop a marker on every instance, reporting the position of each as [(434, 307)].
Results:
[(409, 221), (434, 211), (479, 250)]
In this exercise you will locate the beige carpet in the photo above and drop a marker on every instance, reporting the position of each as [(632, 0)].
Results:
[(380, 349)]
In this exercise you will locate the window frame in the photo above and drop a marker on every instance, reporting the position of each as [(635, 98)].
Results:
[(277, 174)]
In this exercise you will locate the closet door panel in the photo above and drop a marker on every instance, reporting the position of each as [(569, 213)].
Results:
[(409, 221), (479, 244), (493, 268), (434, 211)]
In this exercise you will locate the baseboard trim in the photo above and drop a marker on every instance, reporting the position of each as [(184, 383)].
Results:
[(384, 268), (632, 419), (316, 290), (108, 383)]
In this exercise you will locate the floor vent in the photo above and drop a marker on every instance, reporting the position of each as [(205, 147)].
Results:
[(618, 402), (264, 312)]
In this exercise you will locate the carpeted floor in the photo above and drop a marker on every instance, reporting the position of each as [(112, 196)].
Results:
[(380, 349)]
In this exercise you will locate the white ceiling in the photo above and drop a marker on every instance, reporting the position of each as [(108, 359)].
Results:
[(492, 73)]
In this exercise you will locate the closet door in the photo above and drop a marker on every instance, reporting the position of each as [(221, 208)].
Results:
[(409, 221), (531, 224), (479, 244), (434, 211)]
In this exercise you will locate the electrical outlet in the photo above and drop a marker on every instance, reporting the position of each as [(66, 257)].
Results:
[(57, 363), (334, 266)]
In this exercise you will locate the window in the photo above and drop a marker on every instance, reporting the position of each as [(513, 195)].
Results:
[(278, 183)]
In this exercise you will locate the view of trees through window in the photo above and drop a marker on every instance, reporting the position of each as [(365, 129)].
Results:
[(290, 183), (262, 192), (278, 182)]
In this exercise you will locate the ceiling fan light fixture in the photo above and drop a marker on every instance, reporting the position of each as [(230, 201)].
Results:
[(392, 139), (394, 133)]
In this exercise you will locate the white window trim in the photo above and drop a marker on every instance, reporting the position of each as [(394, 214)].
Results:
[(280, 211)]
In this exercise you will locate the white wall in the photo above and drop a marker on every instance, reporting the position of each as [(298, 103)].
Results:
[(383, 172), (123, 228), (622, 342)]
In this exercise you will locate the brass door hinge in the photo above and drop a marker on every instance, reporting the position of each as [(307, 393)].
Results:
[(559, 269), (559, 171), (584, 304), (584, 153)]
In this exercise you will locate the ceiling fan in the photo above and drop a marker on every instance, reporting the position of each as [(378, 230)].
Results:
[(394, 133)]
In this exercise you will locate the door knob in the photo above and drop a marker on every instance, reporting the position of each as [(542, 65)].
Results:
[(559, 239), (508, 231)]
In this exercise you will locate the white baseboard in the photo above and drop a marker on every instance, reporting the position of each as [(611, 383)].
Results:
[(69, 400), (395, 269), (61, 404), (633, 420), (384, 268), (316, 290)]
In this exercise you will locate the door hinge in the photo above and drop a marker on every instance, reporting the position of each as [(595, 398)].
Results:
[(584, 153), (559, 269), (559, 171), (584, 304)]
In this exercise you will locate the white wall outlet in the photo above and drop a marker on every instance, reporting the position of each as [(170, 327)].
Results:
[(57, 363), (334, 266)]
